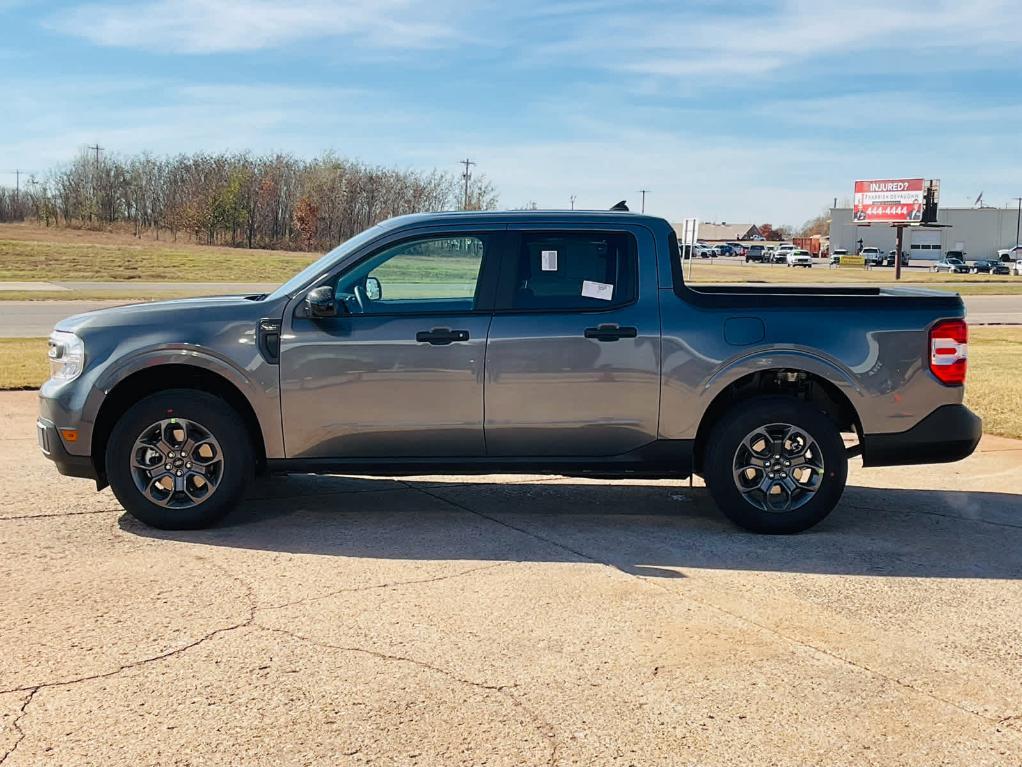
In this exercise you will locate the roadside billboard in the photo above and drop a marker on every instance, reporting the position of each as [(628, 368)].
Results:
[(892, 199)]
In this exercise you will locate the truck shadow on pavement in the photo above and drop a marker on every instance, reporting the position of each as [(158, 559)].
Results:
[(649, 529)]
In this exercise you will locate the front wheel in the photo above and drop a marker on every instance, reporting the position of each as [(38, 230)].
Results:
[(775, 465), (179, 459)]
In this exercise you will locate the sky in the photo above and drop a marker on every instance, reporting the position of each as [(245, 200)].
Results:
[(727, 111)]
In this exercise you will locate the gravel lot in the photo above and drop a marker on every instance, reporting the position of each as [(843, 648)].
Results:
[(511, 621)]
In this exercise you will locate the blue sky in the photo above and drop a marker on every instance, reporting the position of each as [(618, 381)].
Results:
[(736, 111)]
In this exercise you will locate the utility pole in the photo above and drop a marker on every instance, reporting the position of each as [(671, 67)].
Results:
[(1018, 222), (97, 149), (572, 198), (467, 175), (17, 183), (644, 192)]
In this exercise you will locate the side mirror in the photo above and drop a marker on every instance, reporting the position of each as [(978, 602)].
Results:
[(374, 291), (320, 302)]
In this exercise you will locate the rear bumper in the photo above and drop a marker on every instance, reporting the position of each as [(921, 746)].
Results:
[(949, 433), (53, 448)]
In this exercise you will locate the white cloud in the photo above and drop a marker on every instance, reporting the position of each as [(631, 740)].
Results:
[(682, 42), (201, 26)]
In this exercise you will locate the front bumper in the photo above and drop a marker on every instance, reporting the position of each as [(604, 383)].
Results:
[(53, 448), (949, 433)]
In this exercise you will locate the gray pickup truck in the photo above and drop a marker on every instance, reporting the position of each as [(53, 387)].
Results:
[(541, 342)]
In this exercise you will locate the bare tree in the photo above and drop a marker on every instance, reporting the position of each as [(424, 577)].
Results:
[(277, 201)]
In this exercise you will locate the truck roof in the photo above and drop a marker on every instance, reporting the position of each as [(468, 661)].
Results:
[(522, 216)]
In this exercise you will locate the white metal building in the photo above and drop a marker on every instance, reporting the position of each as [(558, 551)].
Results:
[(980, 232)]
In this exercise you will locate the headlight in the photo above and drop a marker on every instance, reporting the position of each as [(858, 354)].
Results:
[(67, 356)]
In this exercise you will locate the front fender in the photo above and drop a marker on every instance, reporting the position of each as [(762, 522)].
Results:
[(258, 383)]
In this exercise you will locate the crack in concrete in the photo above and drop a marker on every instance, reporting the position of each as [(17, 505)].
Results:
[(737, 616), (34, 689), (61, 514), (248, 620), (389, 585), (544, 728), (16, 725)]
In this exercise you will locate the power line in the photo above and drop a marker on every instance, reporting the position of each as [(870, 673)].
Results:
[(18, 173), (97, 148), (467, 175)]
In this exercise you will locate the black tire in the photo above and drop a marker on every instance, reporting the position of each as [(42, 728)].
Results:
[(219, 419), (722, 450)]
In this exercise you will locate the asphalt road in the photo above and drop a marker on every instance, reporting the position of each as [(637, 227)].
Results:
[(511, 621), (30, 319)]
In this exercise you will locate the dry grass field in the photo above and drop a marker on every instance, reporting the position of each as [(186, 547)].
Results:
[(23, 363), (992, 390), (995, 363), (30, 252), (68, 255), (823, 274)]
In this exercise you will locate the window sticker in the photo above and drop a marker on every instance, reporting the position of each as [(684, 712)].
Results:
[(548, 260), (600, 290)]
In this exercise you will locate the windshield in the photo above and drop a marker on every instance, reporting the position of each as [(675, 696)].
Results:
[(955, 260), (323, 263)]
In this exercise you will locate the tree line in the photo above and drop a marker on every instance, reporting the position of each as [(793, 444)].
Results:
[(272, 201)]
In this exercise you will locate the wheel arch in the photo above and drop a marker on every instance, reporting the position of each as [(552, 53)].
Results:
[(156, 378), (793, 381)]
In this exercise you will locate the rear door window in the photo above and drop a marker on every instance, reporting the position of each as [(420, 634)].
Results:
[(564, 271)]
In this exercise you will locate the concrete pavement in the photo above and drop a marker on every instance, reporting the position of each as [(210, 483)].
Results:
[(511, 621), (994, 310)]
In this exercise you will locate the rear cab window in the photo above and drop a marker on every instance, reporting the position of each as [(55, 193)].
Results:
[(569, 271)]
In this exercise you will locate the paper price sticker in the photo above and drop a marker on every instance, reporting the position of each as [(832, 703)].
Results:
[(600, 290)]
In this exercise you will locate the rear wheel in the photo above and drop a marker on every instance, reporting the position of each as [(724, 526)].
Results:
[(775, 465), (179, 459)]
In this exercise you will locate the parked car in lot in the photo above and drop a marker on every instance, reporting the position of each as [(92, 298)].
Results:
[(951, 265), (892, 255), (780, 253), (756, 253), (551, 342), (1010, 255), (799, 258), (989, 267), (737, 248), (873, 256)]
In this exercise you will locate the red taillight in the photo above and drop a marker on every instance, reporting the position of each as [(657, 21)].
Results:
[(949, 351)]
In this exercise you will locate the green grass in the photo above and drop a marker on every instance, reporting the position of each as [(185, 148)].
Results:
[(992, 391)]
